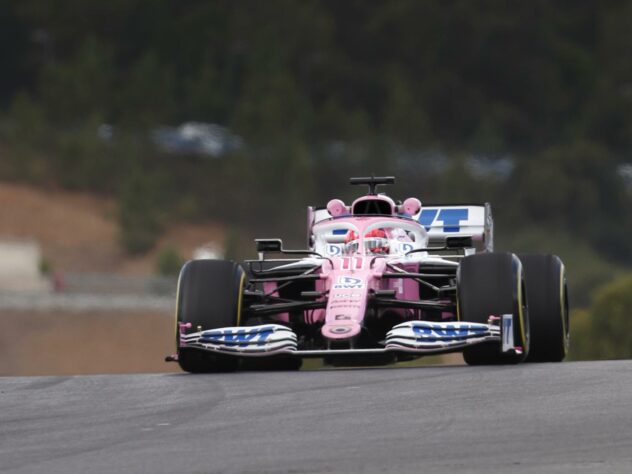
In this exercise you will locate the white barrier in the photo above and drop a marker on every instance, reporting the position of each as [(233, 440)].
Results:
[(20, 267)]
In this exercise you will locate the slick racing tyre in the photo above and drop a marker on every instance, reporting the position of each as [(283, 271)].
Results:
[(210, 295), (493, 284), (547, 297)]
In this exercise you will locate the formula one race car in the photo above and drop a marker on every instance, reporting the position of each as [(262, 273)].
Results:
[(380, 281)]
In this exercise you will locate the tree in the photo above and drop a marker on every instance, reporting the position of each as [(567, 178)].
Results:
[(574, 187), (605, 330), (140, 219)]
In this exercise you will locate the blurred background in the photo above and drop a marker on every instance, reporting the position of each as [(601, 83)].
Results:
[(137, 134)]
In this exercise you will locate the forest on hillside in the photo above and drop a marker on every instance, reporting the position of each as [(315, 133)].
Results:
[(527, 105)]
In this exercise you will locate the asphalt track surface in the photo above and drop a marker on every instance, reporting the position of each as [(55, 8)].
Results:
[(546, 418)]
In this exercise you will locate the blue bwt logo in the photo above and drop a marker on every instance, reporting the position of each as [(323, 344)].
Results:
[(349, 283), (451, 218), (238, 338), (436, 332)]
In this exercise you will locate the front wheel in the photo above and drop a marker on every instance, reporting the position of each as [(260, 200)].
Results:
[(492, 284), (210, 294)]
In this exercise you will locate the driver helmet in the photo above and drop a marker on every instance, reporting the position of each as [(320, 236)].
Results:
[(376, 242), (351, 242)]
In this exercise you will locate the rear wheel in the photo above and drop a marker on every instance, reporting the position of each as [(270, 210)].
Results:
[(548, 307), (209, 296), (492, 284)]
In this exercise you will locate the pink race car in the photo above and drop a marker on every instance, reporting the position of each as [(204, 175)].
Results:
[(380, 281)]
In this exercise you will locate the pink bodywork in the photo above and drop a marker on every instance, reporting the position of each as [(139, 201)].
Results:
[(348, 281)]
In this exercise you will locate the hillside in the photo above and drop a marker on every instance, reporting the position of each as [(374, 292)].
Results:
[(78, 231)]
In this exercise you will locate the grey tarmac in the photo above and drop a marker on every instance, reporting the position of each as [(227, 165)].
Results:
[(532, 418)]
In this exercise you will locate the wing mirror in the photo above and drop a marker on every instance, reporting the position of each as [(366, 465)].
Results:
[(269, 245)]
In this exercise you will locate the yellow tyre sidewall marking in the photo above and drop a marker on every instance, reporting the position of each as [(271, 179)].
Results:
[(566, 340), (524, 340), (240, 297), (458, 308)]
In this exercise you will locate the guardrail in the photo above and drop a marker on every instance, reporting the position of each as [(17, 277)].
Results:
[(60, 302), (76, 292), (104, 283)]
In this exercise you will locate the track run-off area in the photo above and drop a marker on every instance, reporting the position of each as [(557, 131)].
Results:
[(536, 418)]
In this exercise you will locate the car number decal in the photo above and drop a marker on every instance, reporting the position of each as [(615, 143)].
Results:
[(334, 250)]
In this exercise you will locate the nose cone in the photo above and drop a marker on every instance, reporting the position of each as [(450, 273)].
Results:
[(340, 330)]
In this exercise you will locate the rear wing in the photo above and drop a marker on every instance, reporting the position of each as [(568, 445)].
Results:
[(471, 222), (449, 220)]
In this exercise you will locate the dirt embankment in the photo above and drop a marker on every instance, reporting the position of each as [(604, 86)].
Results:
[(79, 232)]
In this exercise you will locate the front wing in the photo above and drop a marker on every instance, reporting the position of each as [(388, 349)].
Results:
[(416, 337)]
